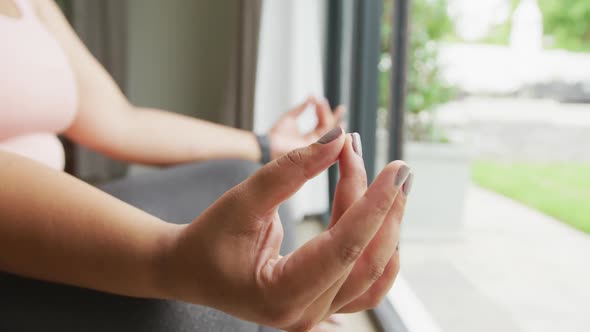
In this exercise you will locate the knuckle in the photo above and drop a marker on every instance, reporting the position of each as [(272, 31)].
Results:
[(375, 271), (296, 159), (350, 253)]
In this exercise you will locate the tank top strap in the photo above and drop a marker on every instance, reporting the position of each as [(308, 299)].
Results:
[(26, 9)]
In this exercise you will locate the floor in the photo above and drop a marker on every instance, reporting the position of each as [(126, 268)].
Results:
[(358, 322), (511, 269)]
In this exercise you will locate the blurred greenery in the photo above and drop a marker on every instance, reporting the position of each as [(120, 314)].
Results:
[(561, 190), (566, 22), (429, 24)]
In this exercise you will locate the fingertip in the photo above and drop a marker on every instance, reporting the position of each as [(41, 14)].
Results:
[(350, 148), (351, 164), (402, 172), (395, 166), (357, 145), (311, 99), (331, 136), (407, 186), (323, 104), (328, 147), (388, 184)]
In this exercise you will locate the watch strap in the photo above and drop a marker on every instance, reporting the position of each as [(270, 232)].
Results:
[(264, 143)]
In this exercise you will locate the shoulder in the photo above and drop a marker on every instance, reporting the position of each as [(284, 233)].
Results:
[(41, 3), (44, 8)]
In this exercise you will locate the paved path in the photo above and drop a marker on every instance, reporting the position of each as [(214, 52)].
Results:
[(513, 269), (519, 129)]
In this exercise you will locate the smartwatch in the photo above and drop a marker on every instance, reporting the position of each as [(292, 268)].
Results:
[(264, 143)]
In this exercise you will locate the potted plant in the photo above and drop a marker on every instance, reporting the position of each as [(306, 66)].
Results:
[(441, 167)]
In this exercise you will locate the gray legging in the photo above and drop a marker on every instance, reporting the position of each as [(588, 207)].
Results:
[(177, 195)]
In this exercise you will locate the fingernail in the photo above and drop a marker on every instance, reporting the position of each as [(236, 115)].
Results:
[(330, 136), (397, 247), (408, 184), (402, 175), (357, 146), (336, 319)]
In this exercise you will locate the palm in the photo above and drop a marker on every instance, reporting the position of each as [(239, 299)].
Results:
[(233, 247), (286, 136)]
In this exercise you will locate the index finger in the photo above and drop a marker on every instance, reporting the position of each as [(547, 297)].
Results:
[(353, 178), (309, 271)]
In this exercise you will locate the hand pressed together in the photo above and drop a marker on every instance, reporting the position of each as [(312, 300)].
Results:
[(228, 258)]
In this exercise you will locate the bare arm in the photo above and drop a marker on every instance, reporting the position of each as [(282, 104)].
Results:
[(57, 228), (108, 123)]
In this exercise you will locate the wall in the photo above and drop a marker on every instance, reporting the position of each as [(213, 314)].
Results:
[(179, 54), (291, 67)]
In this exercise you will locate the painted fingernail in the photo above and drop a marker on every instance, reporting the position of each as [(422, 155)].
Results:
[(357, 146), (408, 184), (330, 136), (402, 175)]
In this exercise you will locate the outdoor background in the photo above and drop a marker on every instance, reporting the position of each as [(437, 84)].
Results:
[(497, 236)]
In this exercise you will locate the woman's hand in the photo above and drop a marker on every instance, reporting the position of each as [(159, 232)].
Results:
[(285, 135), (229, 257)]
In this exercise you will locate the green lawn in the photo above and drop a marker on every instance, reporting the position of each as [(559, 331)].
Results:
[(561, 190)]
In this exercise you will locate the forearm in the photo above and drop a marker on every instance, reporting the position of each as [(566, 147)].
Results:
[(108, 123), (156, 137), (56, 228)]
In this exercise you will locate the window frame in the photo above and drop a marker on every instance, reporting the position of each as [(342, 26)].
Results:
[(353, 46)]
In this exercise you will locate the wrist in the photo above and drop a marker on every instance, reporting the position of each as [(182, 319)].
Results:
[(165, 274), (252, 149)]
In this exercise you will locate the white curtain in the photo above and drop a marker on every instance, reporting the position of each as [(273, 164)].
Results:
[(290, 67)]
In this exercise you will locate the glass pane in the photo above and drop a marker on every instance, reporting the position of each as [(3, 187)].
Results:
[(496, 234), (382, 142)]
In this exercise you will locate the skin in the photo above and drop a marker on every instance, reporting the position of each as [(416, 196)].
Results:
[(108, 123), (8, 8), (54, 227), (228, 258)]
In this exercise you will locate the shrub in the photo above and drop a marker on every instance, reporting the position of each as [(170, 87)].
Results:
[(426, 89), (568, 22)]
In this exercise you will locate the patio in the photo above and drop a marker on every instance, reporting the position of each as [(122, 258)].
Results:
[(512, 269)]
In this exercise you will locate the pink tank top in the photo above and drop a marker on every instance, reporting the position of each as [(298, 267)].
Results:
[(38, 97)]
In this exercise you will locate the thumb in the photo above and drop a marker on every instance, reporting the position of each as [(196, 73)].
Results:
[(281, 178)]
